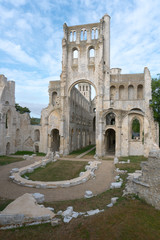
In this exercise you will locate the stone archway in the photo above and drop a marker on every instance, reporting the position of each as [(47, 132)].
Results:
[(110, 141), (55, 140)]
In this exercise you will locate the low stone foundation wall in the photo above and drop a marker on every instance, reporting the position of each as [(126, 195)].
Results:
[(146, 183), (15, 176)]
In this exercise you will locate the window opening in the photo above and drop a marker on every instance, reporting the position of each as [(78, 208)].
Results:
[(75, 53), (96, 33), (136, 129), (92, 33), (70, 36), (74, 36), (91, 53)]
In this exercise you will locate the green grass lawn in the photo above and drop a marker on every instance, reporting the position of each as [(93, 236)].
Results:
[(135, 162), (4, 160), (80, 151), (90, 154), (29, 153), (128, 220), (57, 171)]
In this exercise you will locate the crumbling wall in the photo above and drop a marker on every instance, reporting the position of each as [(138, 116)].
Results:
[(147, 183)]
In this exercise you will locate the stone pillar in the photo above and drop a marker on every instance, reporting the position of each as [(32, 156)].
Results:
[(99, 138), (118, 141), (106, 34)]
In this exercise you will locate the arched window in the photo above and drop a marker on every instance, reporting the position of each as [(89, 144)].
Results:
[(140, 92), (130, 92), (110, 119), (54, 97), (121, 92), (83, 35), (112, 92), (135, 129), (91, 53), (8, 121), (70, 37), (92, 33), (75, 53), (96, 33), (74, 36)]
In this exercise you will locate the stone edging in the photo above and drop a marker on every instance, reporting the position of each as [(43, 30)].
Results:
[(15, 176)]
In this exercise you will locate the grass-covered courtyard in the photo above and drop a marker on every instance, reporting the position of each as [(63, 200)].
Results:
[(4, 160), (58, 171), (131, 218)]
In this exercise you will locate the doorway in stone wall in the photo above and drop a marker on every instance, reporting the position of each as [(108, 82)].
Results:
[(110, 141), (55, 140)]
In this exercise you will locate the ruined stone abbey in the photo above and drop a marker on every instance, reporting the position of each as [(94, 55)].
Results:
[(118, 119)]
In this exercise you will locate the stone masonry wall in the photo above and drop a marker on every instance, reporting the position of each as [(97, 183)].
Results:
[(147, 184)]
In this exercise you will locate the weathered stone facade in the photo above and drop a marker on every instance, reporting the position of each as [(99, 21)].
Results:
[(16, 133), (72, 120), (120, 98)]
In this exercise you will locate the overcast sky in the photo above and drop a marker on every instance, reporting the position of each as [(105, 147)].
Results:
[(31, 32)]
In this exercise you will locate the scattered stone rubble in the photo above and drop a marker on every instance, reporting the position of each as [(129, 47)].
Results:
[(121, 171), (116, 161), (113, 201), (15, 174), (26, 210), (88, 194), (119, 180), (116, 185)]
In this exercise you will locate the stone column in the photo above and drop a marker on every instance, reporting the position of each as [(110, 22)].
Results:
[(118, 141)]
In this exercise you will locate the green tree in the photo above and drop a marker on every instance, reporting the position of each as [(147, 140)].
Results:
[(35, 121), (21, 110), (155, 104), (136, 126)]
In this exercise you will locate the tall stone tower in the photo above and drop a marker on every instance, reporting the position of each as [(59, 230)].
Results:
[(85, 89), (85, 60)]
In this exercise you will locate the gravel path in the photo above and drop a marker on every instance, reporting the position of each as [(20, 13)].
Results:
[(104, 176)]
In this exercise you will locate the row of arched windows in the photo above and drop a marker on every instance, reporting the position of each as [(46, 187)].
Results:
[(91, 53), (83, 35), (121, 93)]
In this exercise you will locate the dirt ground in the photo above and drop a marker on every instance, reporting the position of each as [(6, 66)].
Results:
[(104, 176)]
